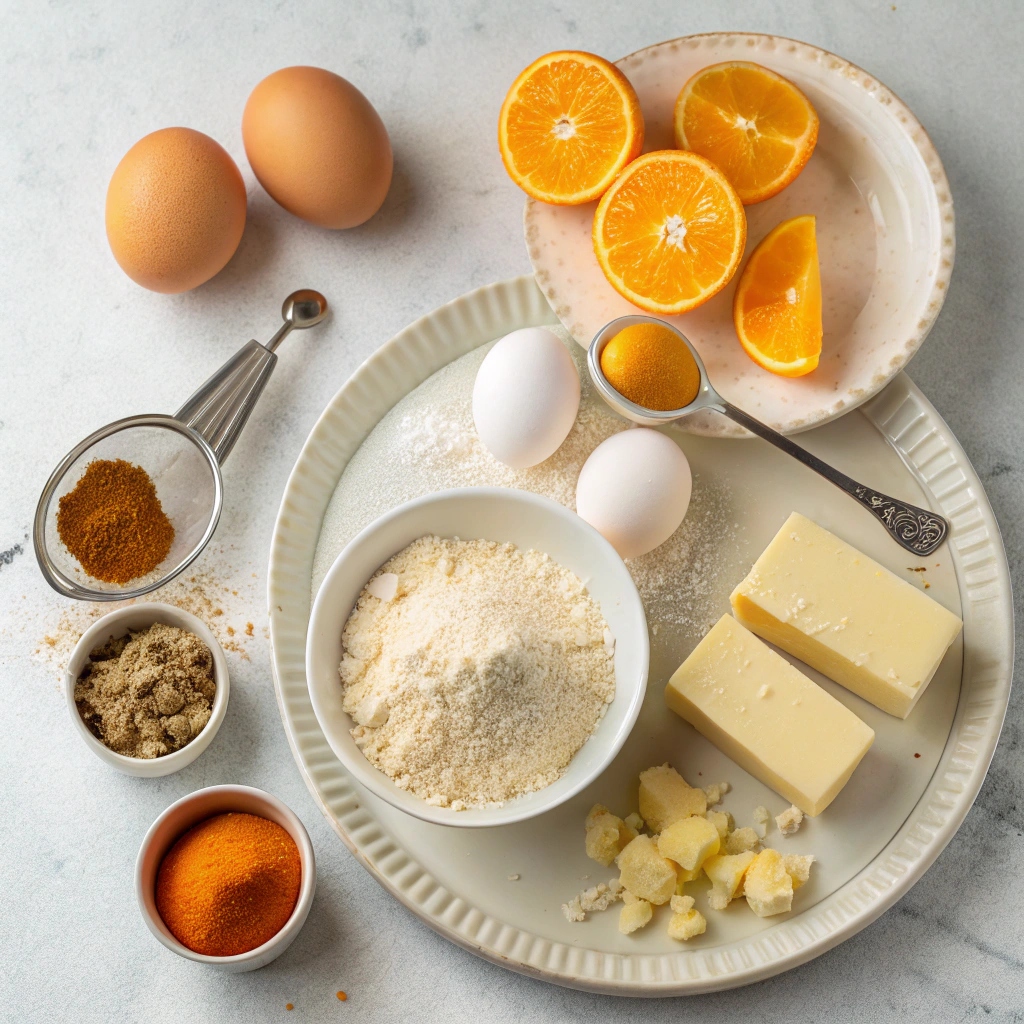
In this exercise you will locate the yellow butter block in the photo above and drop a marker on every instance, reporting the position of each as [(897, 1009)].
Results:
[(827, 604), (768, 716)]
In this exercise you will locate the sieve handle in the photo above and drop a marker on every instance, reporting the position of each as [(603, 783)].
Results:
[(220, 408)]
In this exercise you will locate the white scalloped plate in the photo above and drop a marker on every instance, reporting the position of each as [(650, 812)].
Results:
[(885, 234), (873, 843)]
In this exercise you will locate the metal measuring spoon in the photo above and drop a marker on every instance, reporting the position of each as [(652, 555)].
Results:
[(913, 528), (182, 454)]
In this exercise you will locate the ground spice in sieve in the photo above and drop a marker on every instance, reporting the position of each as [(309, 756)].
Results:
[(113, 522)]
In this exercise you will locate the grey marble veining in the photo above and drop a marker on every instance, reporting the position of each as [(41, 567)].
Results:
[(80, 83)]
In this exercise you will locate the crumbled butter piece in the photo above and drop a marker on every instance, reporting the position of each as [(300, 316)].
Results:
[(635, 822), (722, 820), (767, 885), (715, 792), (606, 835), (689, 842), (686, 925), (726, 873), (798, 867), (741, 840), (634, 916), (665, 797), (645, 872), (790, 820)]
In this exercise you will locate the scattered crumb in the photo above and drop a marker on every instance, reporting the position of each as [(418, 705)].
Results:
[(761, 818), (342, 995), (289, 1006), (248, 629), (573, 911), (715, 792), (681, 904), (741, 840), (598, 897), (195, 594), (927, 585), (513, 878), (917, 755), (790, 820)]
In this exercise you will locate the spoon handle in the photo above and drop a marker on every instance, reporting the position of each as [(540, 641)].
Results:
[(913, 528)]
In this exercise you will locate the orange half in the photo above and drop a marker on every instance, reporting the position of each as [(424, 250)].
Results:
[(777, 308), (670, 232), (569, 124), (757, 126)]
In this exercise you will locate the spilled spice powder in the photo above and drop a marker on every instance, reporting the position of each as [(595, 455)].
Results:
[(113, 522)]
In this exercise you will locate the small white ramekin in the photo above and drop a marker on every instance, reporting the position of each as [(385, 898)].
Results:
[(116, 624), (189, 811)]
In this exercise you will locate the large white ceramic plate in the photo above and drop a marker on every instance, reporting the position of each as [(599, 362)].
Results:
[(873, 843), (885, 234)]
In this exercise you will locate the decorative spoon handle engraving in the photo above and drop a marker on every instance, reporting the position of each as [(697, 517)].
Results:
[(915, 529)]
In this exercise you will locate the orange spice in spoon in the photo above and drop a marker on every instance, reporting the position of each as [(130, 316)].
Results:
[(651, 366)]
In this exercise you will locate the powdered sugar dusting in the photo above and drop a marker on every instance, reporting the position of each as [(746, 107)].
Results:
[(428, 442)]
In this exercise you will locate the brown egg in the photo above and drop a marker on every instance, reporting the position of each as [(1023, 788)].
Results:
[(175, 210), (317, 146)]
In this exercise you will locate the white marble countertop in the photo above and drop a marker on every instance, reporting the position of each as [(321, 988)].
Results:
[(83, 345)]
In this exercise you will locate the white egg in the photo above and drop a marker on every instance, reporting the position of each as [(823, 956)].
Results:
[(634, 489), (526, 397)]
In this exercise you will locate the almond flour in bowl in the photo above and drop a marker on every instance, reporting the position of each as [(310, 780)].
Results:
[(474, 670)]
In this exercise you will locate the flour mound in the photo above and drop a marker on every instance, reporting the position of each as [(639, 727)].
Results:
[(474, 671)]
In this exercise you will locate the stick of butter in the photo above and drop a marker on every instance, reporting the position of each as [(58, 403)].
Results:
[(827, 604), (768, 716)]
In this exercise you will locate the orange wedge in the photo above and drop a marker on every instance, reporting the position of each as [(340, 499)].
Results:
[(569, 124), (777, 308), (670, 231), (757, 126)]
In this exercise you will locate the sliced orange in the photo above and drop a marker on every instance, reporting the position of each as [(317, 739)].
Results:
[(756, 125), (569, 124), (777, 308), (670, 231)]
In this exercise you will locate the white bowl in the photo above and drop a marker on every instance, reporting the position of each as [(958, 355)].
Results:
[(189, 811), (116, 624), (503, 515), (884, 224)]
